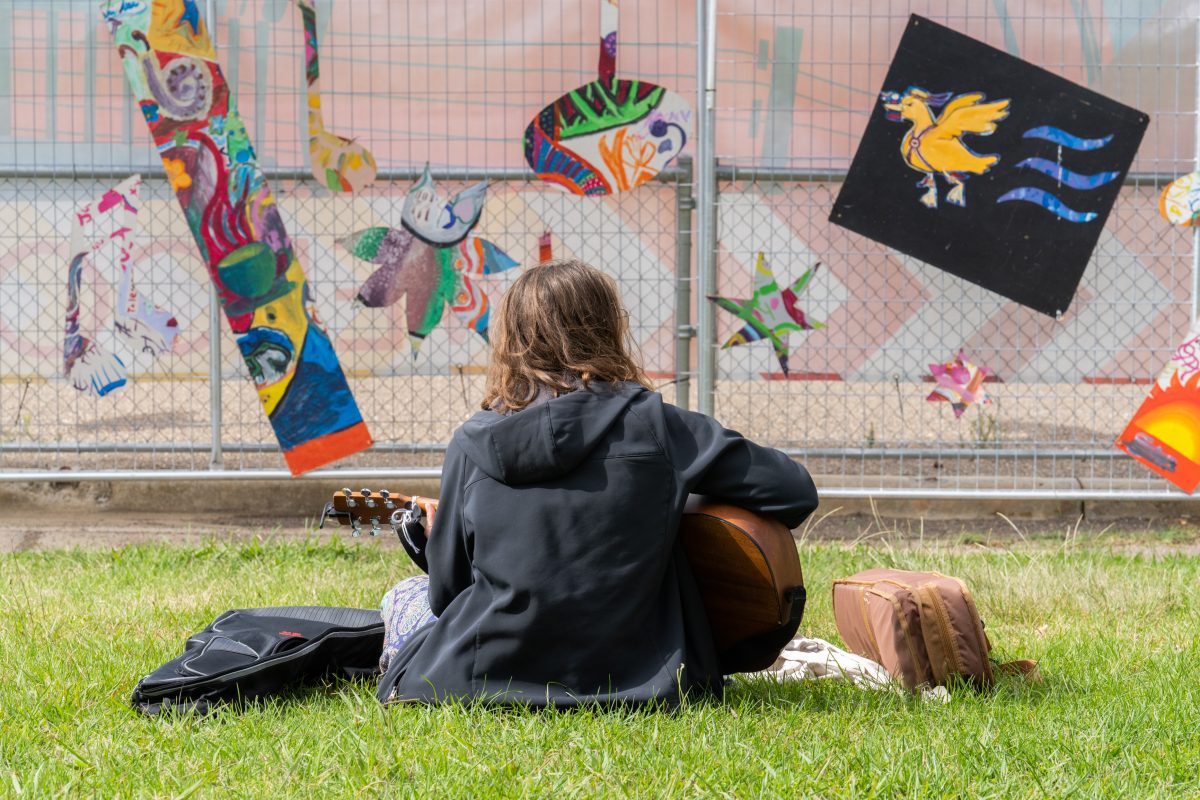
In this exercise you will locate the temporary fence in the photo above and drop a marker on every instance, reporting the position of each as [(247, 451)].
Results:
[(782, 91)]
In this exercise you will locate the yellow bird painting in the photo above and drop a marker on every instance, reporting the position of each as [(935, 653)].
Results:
[(935, 146)]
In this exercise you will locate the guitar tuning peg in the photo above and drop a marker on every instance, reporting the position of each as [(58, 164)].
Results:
[(349, 498), (385, 494), (365, 492), (374, 526), (357, 528), (346, 491)]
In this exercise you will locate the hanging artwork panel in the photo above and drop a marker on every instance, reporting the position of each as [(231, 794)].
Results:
[(432, 260), (612, 134), (771, 313), (104, 235), (171, 67), (1179, 202), (988, 167), (959, 383), (338, 163), (1164, 434)]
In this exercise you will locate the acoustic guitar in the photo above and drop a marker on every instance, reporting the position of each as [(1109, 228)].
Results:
[(745, 565)]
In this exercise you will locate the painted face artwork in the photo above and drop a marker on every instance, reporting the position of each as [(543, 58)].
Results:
[(1016, 168), (1164, 434), (103, 234), (235, 221), (610, 135), (432, 260), (338, 163), (442, 222), (959, 383), (772, 313)]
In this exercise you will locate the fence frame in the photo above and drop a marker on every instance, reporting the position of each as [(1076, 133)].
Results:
[(695, 183)]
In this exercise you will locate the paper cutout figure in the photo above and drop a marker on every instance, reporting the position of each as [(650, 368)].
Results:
[(1180, 201), (959, 383), (89, 366), (771, 313), (1020, 216), (432, 259), (238, 230), (442, 222), (103, 233), (341, 164), (935, 147), (1164, 434), (609, 135)]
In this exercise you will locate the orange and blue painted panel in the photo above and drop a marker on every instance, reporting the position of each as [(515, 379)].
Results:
[(171, 67), (1019, 168)]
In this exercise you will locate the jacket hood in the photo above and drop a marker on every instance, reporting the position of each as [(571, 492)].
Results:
[(547, 439)]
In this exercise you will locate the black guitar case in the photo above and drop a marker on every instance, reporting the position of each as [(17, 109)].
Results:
[(255, 652)]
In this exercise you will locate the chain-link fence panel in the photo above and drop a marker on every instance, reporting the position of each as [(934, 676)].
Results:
[(452, 87), (796, 83)]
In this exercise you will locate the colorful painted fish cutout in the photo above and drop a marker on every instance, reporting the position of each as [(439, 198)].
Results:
[(338, 163), (610, 135), (772, 313), (959, 383)]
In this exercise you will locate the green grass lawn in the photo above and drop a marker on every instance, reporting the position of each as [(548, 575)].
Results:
[(1118, 714)]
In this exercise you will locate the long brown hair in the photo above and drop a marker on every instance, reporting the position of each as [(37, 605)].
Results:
[(559, 326)]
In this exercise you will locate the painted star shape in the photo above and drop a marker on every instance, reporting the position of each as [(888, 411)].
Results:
[(771, 313)]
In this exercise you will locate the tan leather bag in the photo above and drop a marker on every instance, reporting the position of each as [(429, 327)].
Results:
[(923, 627)]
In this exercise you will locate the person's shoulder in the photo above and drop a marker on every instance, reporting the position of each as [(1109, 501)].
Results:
[(472, 427)]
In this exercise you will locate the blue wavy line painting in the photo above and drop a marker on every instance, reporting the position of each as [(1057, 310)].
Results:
[(1061, 137), (1048, 202), (1066, 177)]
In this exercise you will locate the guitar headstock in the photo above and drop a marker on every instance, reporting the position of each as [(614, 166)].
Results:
[(367, 510)]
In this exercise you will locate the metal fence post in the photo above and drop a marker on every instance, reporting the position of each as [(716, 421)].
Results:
[(706, 192), (685, 331), (214, 320), (1196, 165)]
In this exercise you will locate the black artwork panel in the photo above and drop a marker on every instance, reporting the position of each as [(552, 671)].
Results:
[(988, 167)]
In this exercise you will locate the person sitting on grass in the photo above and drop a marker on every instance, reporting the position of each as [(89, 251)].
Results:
[(555, 574)]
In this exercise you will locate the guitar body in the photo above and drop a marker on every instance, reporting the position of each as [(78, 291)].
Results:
[(748, 572), (745, 566)]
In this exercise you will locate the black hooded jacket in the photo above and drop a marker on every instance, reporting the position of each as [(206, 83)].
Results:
[(553, 566)]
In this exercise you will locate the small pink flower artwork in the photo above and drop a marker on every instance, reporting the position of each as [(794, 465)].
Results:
[(959, 383)]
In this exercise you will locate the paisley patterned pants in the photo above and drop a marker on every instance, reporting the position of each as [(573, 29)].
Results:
[(405, 609)]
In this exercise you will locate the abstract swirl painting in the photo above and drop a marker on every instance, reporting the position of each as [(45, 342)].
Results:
[(171, 67), (1016, 168)]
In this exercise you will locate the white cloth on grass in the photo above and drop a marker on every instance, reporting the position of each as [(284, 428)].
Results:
[(804, 659)]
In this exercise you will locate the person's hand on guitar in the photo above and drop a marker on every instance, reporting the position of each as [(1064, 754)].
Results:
[(428, 506)]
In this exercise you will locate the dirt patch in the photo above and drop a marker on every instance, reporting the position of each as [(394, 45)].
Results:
[(1133, 534)]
